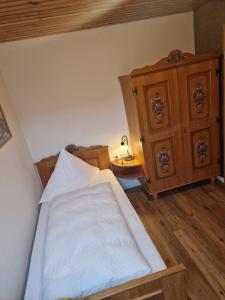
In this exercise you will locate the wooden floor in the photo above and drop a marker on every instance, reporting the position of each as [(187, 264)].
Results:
[(188, 226)]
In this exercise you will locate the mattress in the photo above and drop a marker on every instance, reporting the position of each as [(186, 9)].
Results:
[(144, 243)]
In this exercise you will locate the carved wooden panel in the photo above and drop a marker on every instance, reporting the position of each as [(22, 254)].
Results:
[(177, 105), (157, 106), (199, 96), (201, 150), (164, 158), (175, 56), (198, 85)]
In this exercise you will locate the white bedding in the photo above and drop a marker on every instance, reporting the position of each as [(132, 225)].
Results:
[(89, 246), (34, 289)]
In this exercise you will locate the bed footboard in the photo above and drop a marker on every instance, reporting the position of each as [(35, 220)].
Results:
[(164, 285)]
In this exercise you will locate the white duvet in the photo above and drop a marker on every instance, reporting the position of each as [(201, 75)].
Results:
[(89, 246)]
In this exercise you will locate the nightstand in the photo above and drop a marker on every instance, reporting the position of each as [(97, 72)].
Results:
[(127, 169)]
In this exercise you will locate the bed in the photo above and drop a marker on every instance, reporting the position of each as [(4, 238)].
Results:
[(162, 283)]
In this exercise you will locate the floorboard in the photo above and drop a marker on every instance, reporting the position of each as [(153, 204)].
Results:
[(187, 226)]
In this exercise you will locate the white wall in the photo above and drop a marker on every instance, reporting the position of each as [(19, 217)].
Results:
[(19, 193), (65, 88)]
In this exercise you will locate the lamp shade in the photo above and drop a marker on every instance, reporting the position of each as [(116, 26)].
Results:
[(124, 148)]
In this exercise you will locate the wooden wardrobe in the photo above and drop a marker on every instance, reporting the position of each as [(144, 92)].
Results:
[(173, 116)]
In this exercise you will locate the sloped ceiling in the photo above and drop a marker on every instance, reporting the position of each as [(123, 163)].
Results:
[(20, 19)]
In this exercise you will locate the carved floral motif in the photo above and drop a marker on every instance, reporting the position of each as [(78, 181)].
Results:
[(202, 149), (72, 148), (158, 106), (199, 95), (175, 57), (164, 159)]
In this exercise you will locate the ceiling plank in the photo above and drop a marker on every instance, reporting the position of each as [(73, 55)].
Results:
[(20, 19)]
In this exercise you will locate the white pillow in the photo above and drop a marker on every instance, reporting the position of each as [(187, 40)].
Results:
[(70, 174)]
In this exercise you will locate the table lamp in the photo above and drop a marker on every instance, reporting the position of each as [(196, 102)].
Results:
[(124, 147)]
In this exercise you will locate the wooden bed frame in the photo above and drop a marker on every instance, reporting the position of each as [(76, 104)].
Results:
[(167, 284), (97, 156)]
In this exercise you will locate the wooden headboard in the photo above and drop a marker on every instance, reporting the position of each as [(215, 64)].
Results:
[(97, 156)]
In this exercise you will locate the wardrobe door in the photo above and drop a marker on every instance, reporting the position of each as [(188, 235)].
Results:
[(160, 125), (199, 104)]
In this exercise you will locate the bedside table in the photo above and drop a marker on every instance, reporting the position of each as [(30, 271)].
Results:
[(127, 169)]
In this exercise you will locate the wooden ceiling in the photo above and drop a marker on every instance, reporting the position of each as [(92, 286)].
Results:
[(20, 19)]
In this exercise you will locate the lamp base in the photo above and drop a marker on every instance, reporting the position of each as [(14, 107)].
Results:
[(129, 157)]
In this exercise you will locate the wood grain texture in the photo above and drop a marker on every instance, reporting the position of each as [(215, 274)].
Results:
[(163, 64), (162, 137), (127, 169), (209, 21), (167, 284), (20, 19), (188, 226), (177, 112), (208, 25), (200, 111)]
